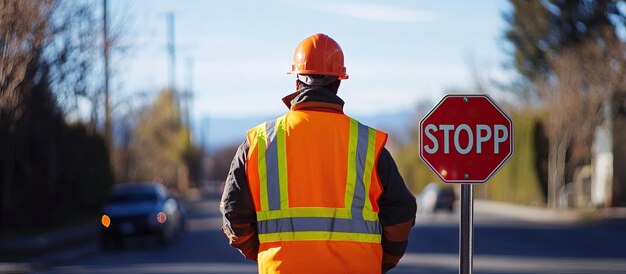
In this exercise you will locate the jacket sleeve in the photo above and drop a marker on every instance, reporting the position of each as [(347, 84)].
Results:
[(237, 208), (397, 211)]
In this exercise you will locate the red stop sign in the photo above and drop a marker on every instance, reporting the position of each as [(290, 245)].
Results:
[(466, 138)]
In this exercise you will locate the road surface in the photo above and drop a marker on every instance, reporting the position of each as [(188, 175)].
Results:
[(502, 245)]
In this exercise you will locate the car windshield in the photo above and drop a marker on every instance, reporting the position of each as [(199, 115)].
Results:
[(446, 193), (137, 197)]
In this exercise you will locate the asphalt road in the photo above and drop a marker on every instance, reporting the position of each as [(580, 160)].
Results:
[(502, 245)]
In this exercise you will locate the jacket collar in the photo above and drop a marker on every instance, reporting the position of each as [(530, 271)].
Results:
[(314, 98)]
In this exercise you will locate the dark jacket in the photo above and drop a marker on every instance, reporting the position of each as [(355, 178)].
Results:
[(396, 203)]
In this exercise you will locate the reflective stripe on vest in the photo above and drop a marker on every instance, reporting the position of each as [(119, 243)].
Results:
[(277, 222)]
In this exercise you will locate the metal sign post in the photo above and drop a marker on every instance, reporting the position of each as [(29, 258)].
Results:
[(466, 231)]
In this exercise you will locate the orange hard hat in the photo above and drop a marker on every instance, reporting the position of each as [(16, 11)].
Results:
[(319, 54)]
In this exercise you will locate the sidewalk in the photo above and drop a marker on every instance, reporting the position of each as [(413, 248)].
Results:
[(24, 254), (545, 215)]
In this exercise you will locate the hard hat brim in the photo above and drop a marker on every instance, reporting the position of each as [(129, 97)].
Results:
[(340, 77)]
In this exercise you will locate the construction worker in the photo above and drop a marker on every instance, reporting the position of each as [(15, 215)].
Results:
[(315, 191)]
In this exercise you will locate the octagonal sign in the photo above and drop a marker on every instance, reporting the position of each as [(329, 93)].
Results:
[(466, 138)]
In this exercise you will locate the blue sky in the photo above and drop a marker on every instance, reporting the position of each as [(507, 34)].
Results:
[(396, 52)]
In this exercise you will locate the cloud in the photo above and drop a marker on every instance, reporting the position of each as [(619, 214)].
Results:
[(373, 12)]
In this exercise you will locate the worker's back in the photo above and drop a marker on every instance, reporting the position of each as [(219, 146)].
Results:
[(315, 189)]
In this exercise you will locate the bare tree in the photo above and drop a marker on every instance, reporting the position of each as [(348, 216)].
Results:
[(585, 78), (23, 31)]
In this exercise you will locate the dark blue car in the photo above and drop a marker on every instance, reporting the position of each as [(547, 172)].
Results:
[(136, 209)]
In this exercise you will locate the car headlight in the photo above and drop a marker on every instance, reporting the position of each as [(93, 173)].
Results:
[(105, 220)]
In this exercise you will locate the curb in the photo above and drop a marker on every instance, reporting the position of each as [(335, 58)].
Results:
[(546, 215)]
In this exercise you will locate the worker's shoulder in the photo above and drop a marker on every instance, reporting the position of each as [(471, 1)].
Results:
[(368, 126), (264, 124)]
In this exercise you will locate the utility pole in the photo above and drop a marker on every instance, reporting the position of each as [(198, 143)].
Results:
[(105, 49), (182, 170), (171, 48), (188, 95)]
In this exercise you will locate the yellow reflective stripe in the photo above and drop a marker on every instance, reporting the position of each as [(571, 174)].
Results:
[(320, 236), (281, 127), (367, 173), (351, 181), (324, 212), (370, 215), (261, 147)]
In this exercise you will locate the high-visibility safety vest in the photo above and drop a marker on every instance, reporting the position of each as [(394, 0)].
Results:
[(313, 179)]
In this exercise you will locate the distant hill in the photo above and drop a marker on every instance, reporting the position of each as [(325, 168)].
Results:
[(218, 132)]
